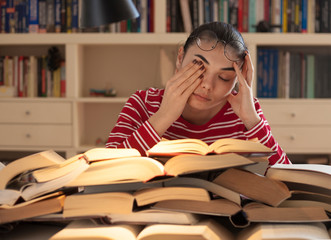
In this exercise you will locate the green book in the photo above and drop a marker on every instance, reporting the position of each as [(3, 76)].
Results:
[(310, 76)]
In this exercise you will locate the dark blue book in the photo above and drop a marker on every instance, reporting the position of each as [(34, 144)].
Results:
[(74, 15), (57, 15), (33, 16)]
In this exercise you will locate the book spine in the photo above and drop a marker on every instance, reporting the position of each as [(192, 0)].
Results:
[(276, 15), (63, 79), (284, 16), (267, 11), (206, 11), (240, 15), (32, 78), (260, 53), (20, 77), (245, 17), (57, 15), (10, 16), (42, 16), (252, 16), (304, 16), (233, 13), (2, 67), (186, 15), (150, 16), (63, 16), (50, 23), (68, 20), (57, 83), (3, 16), (33, 16)]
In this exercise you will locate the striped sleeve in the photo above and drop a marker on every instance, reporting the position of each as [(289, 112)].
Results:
[(133, 129), (262, 131)]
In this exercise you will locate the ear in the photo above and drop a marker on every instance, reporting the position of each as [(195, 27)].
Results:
[(180, 57)]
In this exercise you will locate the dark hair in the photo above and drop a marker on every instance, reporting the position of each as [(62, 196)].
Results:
[(224, 32)]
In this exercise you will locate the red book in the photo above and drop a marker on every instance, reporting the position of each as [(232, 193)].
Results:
[(245, 11), (240, 15), (267, 10), (150, 16), (20, 77)]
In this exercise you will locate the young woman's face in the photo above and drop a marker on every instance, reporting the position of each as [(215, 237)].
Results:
[(218, 81)]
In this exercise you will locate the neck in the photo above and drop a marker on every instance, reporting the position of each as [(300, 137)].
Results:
[(200, 117)]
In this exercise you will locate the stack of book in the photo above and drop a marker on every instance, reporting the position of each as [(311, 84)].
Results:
[(182, 189)]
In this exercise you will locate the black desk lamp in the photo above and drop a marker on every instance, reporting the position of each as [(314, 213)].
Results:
[(96, 13)]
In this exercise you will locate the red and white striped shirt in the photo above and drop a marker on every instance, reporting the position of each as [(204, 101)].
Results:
[(133, 129)]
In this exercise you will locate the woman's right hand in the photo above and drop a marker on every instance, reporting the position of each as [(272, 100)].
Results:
[(177, 91)]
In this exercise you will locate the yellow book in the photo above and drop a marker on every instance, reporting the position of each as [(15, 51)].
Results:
[(197, 146)]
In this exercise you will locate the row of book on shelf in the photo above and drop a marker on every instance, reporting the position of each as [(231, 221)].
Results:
[(286, 73), (176, 190), (31, 76), (49, 16), (41, 16), (251, 15)]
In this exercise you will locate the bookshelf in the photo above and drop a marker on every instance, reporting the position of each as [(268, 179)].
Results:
[(131, 61)]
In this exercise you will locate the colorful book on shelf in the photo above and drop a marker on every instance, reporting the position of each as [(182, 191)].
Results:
[(196, 146)]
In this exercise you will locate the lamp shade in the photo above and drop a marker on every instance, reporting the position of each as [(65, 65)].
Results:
[(94, 13)]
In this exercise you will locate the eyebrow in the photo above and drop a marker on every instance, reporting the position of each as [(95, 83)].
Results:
[(206, 61)]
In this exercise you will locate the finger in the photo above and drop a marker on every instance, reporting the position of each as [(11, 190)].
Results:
[(240, 76), (250, 69), (186, 71), (192, 82), (186, 87)]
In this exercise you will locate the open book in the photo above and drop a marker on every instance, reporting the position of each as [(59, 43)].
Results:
[(49, 172), (86, 229), (256, 187), (106, 203), (305, 175), (242, 216), (51, 203), (285, 231), (145, 168), (31, 162), (197, 146)]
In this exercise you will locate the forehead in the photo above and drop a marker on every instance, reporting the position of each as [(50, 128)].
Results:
[(214, 57)]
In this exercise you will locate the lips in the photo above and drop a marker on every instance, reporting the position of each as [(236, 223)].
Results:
[(201, 97)]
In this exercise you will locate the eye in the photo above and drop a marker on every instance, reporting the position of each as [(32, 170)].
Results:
[(223, 79), (227, 76)]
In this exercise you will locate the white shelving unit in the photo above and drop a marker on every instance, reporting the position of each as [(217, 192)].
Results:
[(128, 62)]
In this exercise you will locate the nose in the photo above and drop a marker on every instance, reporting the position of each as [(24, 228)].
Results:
[(207, 80)]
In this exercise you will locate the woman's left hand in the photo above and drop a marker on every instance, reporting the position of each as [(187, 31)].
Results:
[(243, 102)]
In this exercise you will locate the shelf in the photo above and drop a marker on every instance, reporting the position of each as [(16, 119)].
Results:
[(318, 39), (102, 100)]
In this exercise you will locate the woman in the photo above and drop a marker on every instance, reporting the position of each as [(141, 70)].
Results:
[(199, 101)]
